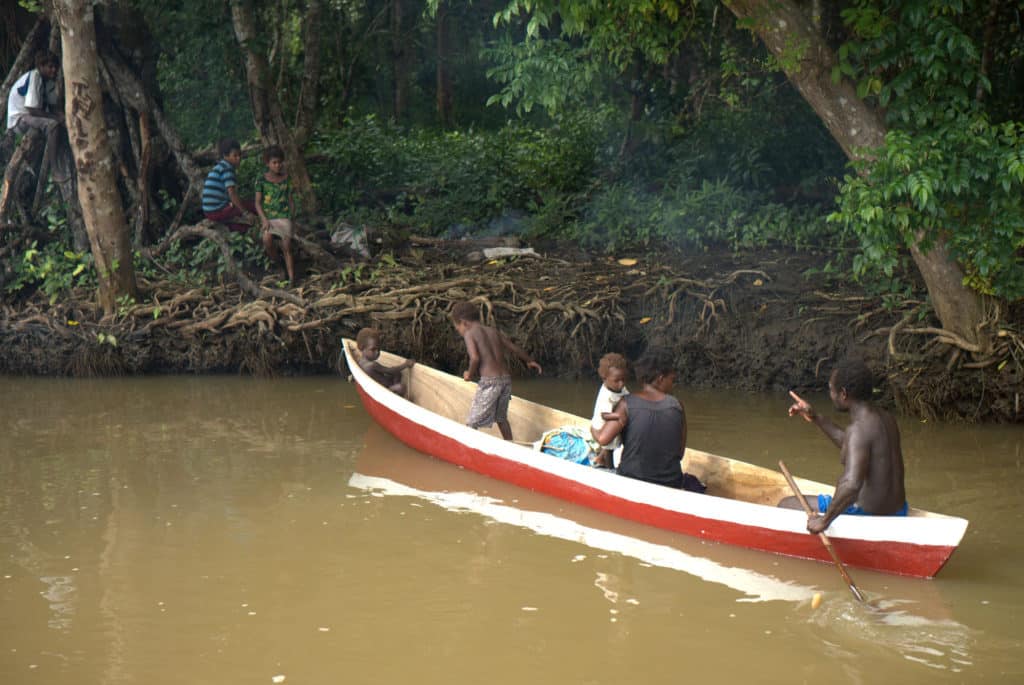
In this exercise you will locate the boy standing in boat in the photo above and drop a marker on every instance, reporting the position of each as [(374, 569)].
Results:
[(486, 347), (869, 451)]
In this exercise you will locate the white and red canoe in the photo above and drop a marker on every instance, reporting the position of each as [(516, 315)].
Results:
[(738, 508)]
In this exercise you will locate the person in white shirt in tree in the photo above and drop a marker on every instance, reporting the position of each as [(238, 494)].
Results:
[(32, 101)]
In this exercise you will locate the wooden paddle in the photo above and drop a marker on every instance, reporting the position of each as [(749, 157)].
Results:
[(824, 538)]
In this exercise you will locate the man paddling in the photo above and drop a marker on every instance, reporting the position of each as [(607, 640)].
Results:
[(869, 451)]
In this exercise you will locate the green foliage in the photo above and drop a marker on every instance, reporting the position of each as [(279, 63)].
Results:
[(435, 179), (572, 183), (52, 268), (125, 304), (365, 273), (947, 171), (770, 139), (618, 30), (961, 183), (199, 70), (915, 57), (711, 213), (550, 73), (570, 53), (202, 263), (106, 339)]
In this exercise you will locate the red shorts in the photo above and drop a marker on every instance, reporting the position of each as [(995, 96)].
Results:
[(228, 212)]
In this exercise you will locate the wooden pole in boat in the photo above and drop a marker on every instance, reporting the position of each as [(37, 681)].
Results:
[(824, 538)]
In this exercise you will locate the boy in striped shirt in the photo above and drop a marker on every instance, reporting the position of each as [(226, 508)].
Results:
[(221, 202)]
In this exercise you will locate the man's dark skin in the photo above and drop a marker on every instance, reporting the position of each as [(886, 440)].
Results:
[(869, 451)]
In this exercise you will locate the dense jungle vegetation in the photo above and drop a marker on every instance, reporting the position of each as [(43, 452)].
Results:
[(884, 135)]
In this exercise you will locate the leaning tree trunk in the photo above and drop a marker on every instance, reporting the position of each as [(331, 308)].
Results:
[(859, 129), (97, 185), (266, 108), (152, 121)]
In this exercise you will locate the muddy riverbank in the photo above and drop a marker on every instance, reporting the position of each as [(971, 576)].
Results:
[(767, 321)]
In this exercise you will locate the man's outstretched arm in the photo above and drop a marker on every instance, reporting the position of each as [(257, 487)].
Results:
[(855, 472), (804, 409)]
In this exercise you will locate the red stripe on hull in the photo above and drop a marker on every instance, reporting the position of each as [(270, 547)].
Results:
[(922, 561)]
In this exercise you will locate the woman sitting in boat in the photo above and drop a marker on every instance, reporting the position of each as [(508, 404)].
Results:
[(652, 424)]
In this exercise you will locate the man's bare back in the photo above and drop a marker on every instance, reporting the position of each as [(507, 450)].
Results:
[(869, 450), (882, 489)]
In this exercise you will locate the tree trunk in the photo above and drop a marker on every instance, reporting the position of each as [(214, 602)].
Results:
[(308, 99), (960, 309), (444, 78), (138, 101), (636, 106), (135, 95), (858, 129), (97, 186), (781, 25), (398, 59), (14, 192), (987, 48), (64, 166), (67, 185), (266, 108)]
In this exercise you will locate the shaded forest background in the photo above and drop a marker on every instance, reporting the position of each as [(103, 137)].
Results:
[(880, 140)]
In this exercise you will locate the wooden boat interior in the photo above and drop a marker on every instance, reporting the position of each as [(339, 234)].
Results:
[(450, 396)]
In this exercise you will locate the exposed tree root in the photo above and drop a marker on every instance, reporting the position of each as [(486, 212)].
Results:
[(745, 328)]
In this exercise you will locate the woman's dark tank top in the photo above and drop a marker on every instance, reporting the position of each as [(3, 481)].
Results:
[(651, 440)]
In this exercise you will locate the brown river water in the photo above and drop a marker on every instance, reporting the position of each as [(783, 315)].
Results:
[(232, 530)]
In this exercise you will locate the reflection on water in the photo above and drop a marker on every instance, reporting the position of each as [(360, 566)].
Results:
[(223, 530), (755, 586), (937, 643), (59, 592)]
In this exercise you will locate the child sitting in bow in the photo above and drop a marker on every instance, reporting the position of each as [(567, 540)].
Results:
[(612, 369), (368, 342)]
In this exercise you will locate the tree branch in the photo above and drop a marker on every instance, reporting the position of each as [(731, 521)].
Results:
[(205, 229)]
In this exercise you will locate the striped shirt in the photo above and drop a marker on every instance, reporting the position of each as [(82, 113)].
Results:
[(215, 190)]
